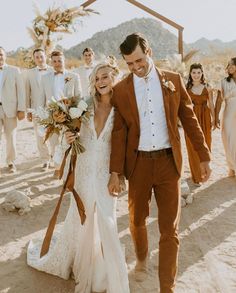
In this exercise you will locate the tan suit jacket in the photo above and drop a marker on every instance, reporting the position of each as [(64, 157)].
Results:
[(33, 88), (13, 92), (72, 87), (126, 131)]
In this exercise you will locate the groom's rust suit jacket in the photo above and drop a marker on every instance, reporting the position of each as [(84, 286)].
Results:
[(126, 131)]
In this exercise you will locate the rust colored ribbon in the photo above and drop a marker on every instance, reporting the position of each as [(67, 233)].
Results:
[(69, 184)]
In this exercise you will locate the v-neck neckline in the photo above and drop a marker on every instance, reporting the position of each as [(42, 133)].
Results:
[(105, 124)]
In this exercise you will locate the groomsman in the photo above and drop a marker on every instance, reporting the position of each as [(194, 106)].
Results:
[(85, 70), (33, 99), (58, 84), (12, 106)]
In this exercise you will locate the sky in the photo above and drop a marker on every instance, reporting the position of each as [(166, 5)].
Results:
[(211, 19)]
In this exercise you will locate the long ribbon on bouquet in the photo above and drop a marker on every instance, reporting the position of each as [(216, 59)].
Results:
[(68, 184)]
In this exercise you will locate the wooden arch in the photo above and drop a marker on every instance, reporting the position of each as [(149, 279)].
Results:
[(157, 15)]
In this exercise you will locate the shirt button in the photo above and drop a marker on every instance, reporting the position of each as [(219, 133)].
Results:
[(152, 123), (153, 135), (150, 100), (150, 111), (153, 146)]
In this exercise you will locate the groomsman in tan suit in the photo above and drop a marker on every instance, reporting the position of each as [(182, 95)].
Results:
[(33, 99), (85, 70), (12, 106), (58, 84)]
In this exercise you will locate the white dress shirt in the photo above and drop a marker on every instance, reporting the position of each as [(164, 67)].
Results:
[(41, 72), (59, 84), (84, 73), (153, 126)]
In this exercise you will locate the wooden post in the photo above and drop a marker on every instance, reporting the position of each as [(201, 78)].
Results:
[(181, 49), (154, 13), (87, 3), (157, 15)]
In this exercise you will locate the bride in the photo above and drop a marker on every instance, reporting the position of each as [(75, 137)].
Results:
[(92, 252)]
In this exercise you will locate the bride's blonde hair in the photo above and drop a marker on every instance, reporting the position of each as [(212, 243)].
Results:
[(92, 78)]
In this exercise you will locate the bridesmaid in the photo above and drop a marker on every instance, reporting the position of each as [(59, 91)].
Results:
[(228, 124), (202, 99)]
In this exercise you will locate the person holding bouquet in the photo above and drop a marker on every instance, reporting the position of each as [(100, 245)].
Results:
[(90, 249)]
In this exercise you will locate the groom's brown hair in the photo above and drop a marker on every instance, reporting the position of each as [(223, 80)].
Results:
[(131, 42)]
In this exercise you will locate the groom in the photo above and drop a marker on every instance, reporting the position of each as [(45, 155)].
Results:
[(146, 149)]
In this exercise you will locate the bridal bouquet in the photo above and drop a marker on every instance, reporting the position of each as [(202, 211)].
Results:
[(63, 115)]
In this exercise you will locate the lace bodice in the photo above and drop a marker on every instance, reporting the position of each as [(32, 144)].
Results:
[(88, 135)]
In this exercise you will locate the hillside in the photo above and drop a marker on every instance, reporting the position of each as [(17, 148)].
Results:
[(107, 42)]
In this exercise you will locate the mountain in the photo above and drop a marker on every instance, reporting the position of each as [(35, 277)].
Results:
[(207, 47), (107, 42), (162, 41)]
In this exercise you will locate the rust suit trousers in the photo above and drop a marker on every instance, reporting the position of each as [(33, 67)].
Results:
[(156, 172)]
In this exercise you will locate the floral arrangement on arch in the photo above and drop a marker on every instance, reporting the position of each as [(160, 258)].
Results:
[(56, 20)]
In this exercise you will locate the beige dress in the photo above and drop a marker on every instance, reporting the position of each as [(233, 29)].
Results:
[(229, 122)]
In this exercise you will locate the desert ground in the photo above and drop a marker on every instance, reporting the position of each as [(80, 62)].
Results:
[(207, 260)]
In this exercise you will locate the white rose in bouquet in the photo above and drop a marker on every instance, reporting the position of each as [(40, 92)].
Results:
[(75, 112), (83, 105)]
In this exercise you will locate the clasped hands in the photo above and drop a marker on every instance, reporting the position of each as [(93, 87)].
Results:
[(116, 184)]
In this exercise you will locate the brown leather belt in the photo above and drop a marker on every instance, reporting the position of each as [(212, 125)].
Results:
[(155, 154)]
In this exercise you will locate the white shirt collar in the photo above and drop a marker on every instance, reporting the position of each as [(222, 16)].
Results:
[(89, 66), (46, 67)]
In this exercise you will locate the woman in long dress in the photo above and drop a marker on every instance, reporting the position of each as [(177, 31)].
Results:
[(202, 99), (92, 252), (228, 124)]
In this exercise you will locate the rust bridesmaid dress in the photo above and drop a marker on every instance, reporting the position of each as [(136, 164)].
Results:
[(202, 111)]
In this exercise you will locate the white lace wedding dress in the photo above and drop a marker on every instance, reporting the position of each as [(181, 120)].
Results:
[(92, 251)]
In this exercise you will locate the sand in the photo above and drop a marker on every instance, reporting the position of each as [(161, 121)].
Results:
[(207, 260)]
